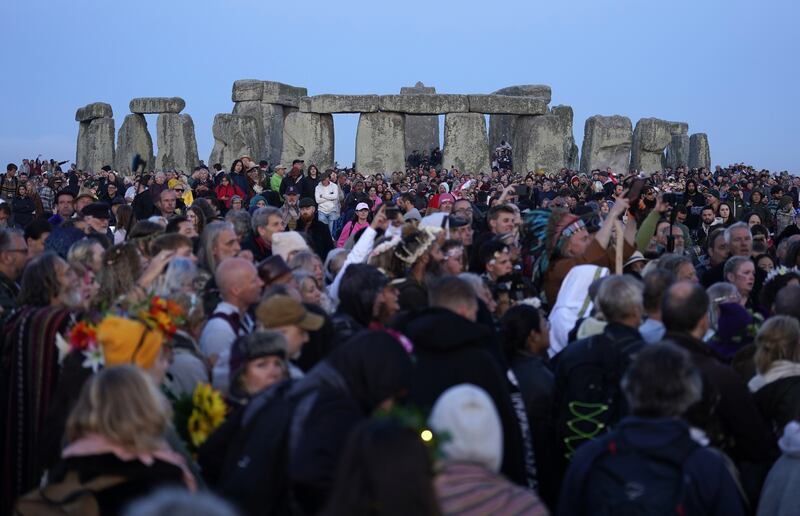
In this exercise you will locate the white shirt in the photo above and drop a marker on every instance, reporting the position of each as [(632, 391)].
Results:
[(327, 198), (217, 339)]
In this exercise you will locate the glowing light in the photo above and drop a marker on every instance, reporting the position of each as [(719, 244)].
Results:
[(426, 435)]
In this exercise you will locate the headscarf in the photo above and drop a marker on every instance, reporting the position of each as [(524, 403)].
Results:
[(572, 303)]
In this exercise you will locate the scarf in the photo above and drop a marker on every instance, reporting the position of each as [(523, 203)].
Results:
[(780, 369)]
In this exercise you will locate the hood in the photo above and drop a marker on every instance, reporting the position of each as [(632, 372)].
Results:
[(652, 433), (790, 442), (439, 329)]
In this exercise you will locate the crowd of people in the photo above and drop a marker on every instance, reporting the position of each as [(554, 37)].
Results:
[(285, 340)]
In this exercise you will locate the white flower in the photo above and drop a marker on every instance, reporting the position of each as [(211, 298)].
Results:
[(63, 347), (532, 301), (94, 358)]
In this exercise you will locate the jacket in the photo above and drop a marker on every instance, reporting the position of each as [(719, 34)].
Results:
[(777, 394), (320, 235), (780, 496), (712, 489), (327, 198)]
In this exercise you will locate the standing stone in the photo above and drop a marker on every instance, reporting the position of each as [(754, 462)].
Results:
[(380, 143), (422, 131), (699, 151), (95, 144), (234, 137), (177, 145), (677, 151), (308, 136), (650, 137), (272, 116), (253, 109), (501, 127), (133, 138), (606, 144), (95, 110), (565, 116), (539, 143), (465, 143)]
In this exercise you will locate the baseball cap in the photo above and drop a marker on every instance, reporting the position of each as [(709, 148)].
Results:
[(362, 206), (282, 310), (291, 190)]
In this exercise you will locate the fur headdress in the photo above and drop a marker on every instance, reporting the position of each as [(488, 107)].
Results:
[(548, 230)]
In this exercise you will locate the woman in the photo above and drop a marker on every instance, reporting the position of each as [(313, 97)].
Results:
[(196, 216), (23, 207), (256, 202), (124, 274), (753, 219), (226, 190), (776, 387), (374, 198), (313, 178), (385, 470), (87, 254), (125, 221), (741, 271), (724, 213), (116, 440), (258, 361), (236, 203), (765, 262), (202, 186), (254, 179), (309, 290), (681, 266), (361, 219)]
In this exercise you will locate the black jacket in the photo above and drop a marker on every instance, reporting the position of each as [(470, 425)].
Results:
[(320, 236), (451, 350), (779, 403)]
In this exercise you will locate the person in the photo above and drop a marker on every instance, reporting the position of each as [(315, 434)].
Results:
[(361, 219), (65, 209), (776, 387), (258, 361), (726, 412), (240, 288), (225, 191), (779, 496), (290, 211), (291, 319), (656, 282), (317, 232), (326, 195), (167, 203), (385, 470), (97, 216), (13, 256), (23, 207), (740, 271), (587, 398), (712, 265), (9, 184), (265, 222), (652, 451), (366, 299), (463, 354), (573, 304), (116, 441)]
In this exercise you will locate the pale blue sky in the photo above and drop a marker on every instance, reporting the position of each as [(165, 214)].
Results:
[(728, 68)]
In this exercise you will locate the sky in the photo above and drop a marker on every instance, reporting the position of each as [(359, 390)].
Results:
[(727, 68)]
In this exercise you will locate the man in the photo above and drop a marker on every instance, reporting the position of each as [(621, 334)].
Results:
[(496, 259), (708, 222), (239, 288), (9, 184), (290, 211), (501, 220), (265, 222), (143, 206), (656, 282), (726, 411), (295, 178), (97, 216), (181, 225), (179, 244), (65, 207), (35, 235), (710, 270), (167, 203), (587, 396), (405, 202), (13, 256), (318, 232), (453, 257), (217, 243), (451, 348), (327, 195), (289, 317), (277, 179), (159, 185), (617, 474)]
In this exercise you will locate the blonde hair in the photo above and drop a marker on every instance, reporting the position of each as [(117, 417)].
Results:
[(778, 339), (123, 405)]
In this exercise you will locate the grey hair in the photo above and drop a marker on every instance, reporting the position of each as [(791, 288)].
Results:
[(733, 264), (208, 239), (240, 220), (179, 502), (729, 230), (661, 382), (719, 293), (5, 238), (261, 216), (619, 296), (333, 263), (80, 252), (673, 262), (475, 281), (179, 271)]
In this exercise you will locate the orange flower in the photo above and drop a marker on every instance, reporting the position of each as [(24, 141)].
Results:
[(82, 336)]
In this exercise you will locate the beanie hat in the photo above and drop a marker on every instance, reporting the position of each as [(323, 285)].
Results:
[(287, 242), (250, 347), (466, 413)]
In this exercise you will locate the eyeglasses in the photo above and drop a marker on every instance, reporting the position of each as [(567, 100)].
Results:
[(179, 190)]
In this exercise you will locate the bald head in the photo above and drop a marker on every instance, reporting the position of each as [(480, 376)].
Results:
[(684, 308), (238, 282)]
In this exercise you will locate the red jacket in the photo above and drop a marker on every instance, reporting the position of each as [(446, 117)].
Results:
[(227, 193)]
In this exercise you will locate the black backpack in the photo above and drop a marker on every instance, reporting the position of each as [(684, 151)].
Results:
[(592, 398), (625, 480)]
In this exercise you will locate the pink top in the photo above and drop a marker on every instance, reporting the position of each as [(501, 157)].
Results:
[(350, 229)]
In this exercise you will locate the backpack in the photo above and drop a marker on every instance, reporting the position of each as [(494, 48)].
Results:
[(625, 480), (67, 497), (593, 400)]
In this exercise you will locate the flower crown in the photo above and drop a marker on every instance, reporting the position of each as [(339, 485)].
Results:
[(781, 271)]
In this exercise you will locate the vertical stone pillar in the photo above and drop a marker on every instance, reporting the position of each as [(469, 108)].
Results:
[(650, 137), (177, 145), (422, 131), (234, 137), (565, 116), (308, 136), (606, 144), (380, 143), (539, 144), (465, 142), (677, 151), (699, 151), (133, 138), (95, 147), (501, 127)]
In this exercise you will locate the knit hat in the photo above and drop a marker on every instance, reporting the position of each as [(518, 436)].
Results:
[(250, 347), (287, 242), (412, 214), (735, 329), (468, 416)]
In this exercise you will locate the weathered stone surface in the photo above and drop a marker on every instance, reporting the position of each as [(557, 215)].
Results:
[(465, 143), (380, 143), (650, 137), (133, 138), (339, 104), (678, 128), (308, 136), (539, 143), (144, 105), (177, 145), (606, 144), (272, 116), (422, 131), (95, 144), (506, 105), (253, 109), (501, 127), (247, 89), (283, 94), (565, 117), (424, 104), (92, 111), (527, 90), (234, 137), (677, 151), (699, 151)]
